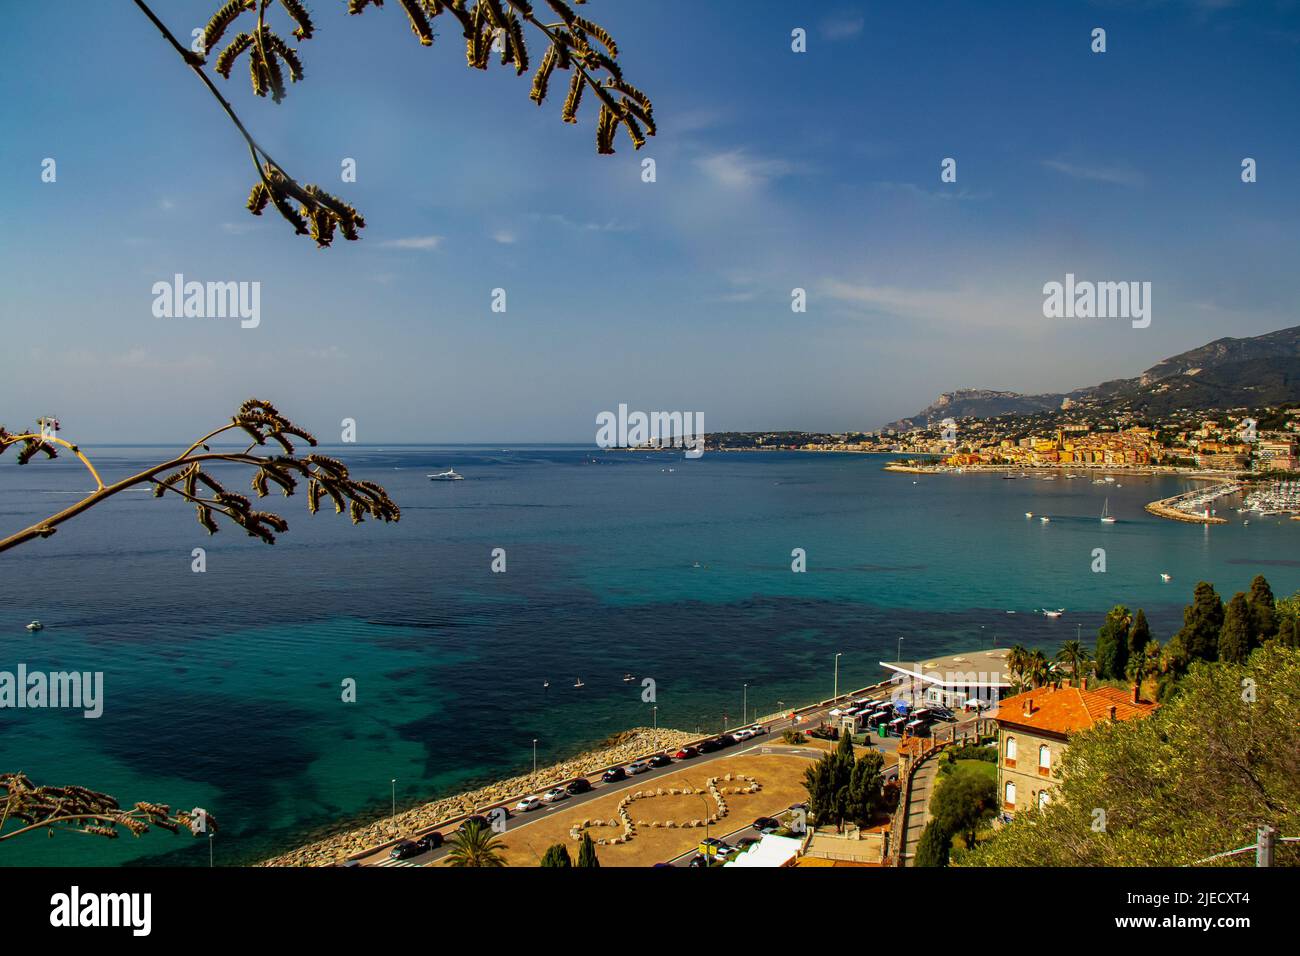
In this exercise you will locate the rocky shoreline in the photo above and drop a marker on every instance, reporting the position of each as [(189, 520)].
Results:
[(619, 749)]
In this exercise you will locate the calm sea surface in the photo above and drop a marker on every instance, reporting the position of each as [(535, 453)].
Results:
[(222, 689)]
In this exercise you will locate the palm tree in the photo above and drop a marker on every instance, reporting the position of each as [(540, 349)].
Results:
[(1017, 660), (1075, 656), (476, 845), (1039, 669)]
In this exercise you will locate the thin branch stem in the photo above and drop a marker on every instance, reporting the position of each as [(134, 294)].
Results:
[(68, 445)]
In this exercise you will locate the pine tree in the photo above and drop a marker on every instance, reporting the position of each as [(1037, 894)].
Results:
[(1112, 643), (587, 852), (1202, 622), (1263, 611), (865, 788), (557, 855), (1234, 638)]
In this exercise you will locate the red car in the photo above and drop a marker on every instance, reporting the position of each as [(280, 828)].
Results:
[(686, 753)]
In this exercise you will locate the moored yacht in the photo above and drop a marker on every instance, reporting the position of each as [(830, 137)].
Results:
[(448, 475)]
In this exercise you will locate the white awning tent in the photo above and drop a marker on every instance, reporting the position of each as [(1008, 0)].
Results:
[(770, 851)]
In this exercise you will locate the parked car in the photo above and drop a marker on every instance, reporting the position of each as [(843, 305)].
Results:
[(555, 795), (725, 740), (943, 713), (661, 760), (766, 824), (528, 803), (745, 844), (975, 704), (614, 774), (745, 733), (430, 841), (838, 711), (698, 860), (758, 729), (686, 753), (475, 818), (715, 847), (709, 746), (404, 849), (638, 766), (581, 785)]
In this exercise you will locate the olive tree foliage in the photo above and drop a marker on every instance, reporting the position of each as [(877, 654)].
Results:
[(1196, 778)]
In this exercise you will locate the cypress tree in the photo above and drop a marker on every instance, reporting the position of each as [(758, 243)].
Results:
[(587, 852), (557, 855), (934, 845), (1234, 638), (1263, 611), (1139, 636), (1202, 622), (1112, 643), (1287, 635)]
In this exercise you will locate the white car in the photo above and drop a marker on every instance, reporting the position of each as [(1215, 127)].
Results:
[(638, 766), (756, 730), (528, 803), (838, 711), (743, 734), (555, 795)]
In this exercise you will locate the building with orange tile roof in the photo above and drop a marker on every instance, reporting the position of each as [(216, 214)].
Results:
[(1034, 730)]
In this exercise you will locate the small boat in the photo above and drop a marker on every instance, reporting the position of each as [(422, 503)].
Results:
[(545, 684), (1165, 577), (1044, 519), (579, 683), (35, 626), (448, 475), (628, 678), (1106, 516), (1011, 612), (1109, 480), (1057, 613), (1029, 514)]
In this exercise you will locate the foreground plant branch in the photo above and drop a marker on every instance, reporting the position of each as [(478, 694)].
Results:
[(185, 477), (575, 44), (80, 810)]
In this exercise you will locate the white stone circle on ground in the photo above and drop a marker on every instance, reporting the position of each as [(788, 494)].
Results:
[(716, 787)]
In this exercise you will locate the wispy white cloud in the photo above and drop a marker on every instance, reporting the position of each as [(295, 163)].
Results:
[(610, 225), (505, 236), (911, 189), (842, 26), (425, 243), (1102, 174), (737, 169)]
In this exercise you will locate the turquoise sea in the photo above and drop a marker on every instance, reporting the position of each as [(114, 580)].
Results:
[(223, 689)]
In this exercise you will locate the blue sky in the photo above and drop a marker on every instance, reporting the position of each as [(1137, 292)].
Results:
[(775, 170)]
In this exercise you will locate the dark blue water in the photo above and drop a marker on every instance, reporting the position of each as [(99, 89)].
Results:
[(223, 688)]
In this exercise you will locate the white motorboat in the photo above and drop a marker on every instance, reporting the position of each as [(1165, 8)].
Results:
[(1165, 577), (1044, 519), (35, 626), (1029, 514), (1106, 516), (448, 475), (1057, 613)]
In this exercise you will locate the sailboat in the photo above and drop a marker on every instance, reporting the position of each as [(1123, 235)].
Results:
[(1165, 577), (1106, 516), (579, 683)]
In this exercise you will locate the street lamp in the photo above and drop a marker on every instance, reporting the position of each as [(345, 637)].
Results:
[(394, 783), (744, 707), (210, 836), (655, 711), (836, 694), (898, 658), (534, 755)]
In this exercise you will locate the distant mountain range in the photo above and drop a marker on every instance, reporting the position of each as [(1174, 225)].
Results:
[(1226, 373)]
